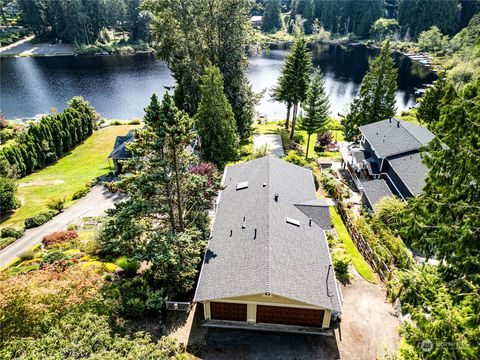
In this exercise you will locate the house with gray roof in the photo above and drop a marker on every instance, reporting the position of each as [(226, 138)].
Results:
[(389, 158), (267, 265), (120, 151)]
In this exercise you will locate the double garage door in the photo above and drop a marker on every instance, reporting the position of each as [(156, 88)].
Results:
[(268, 314)]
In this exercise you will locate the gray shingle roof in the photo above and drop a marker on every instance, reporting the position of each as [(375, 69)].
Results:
[(393, 136), (283, 259), (411, 170), (119, 149), (318, 210), (374, 190)]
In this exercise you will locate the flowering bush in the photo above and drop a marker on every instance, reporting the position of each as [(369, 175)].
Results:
[(59, 237)]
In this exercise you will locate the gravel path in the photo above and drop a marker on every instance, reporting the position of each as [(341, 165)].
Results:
[(95, 203)]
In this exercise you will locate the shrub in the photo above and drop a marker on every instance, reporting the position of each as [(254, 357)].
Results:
[(27, 255), (134, 122), (341, 262), (56, 204), (4, 242), (80, 193), (323, 140), (294, 158), (116, 122), (138, 298), (129, 266), (10, 232), (59, 237), (57, 258), (38, 220)]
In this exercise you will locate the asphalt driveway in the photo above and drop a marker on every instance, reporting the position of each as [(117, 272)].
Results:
[(95, 203)]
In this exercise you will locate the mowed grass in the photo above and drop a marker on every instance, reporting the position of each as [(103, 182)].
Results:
[(69, 174), (357, 259)]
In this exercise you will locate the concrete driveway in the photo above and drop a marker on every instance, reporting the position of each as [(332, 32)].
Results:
[(273, 142), (95, 203)]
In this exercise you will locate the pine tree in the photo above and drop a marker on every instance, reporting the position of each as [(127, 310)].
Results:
[(376, 100), (215, 121), (272, 20), (316, 108)]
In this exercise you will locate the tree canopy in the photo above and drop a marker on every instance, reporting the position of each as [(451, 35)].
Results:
[(191, 35)]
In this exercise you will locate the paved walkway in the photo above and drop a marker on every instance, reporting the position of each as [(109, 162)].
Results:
[(272, 141), (95, 203)]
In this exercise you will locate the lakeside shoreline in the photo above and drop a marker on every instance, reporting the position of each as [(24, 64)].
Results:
[(24, 48)]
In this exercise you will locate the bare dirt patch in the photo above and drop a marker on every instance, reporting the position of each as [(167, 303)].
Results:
[(41, 183)]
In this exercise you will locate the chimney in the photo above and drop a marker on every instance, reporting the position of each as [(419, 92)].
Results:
[(276, 197), (255, 234)]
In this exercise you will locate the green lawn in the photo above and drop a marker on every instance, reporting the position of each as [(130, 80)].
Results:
[(357, 259), (268, 128), (66, 176)]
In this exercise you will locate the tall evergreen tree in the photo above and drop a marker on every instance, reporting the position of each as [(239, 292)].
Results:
[(428, 109), (272, 19), (445, 220), (376, 100), (316, 108), (293, 81), (215, 121), (165, 218)]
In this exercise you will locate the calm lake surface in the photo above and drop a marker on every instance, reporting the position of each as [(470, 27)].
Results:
[(120, 86)]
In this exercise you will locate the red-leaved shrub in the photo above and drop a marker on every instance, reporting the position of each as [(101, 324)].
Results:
[(59, 237)]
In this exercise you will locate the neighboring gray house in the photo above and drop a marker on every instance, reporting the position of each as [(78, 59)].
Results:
[(120, 151), (267, 264), (389, 156)]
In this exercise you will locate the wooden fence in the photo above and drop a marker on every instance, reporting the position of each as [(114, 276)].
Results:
[(365, 249)]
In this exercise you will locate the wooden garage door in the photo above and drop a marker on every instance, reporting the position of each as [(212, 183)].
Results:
[(228, 311), (289, 316)]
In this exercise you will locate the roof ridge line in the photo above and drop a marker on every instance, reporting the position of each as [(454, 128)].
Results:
[(268, 284)]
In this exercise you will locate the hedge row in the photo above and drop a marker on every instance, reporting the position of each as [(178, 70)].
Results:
[(52, 137)]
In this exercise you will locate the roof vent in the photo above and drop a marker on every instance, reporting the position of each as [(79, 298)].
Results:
[(242, 185), (293, 222), (276, 197), (398, 124), (255, 234), (310, 222), (243, 226), (264, 184), (231, 233)]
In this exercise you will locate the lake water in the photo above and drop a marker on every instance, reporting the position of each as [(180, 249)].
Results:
[(120, 86)]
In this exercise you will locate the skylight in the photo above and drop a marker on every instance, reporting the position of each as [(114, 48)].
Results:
[(242, 185), (293, 222)]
